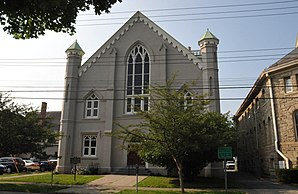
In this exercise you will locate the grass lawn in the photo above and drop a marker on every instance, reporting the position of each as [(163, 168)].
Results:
[(174, 192), (17, 174), (62, 179), (201, 183), (29, 188)]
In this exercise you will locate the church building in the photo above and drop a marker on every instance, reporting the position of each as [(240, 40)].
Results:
[(112, 85)]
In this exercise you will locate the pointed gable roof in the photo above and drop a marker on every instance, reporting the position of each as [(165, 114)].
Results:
[(208, 35), (76, 47), (138, 17)]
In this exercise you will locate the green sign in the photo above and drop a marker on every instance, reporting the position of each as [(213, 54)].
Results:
[(224, 153)]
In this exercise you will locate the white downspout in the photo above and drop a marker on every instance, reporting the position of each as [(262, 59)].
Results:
[(274, 124)]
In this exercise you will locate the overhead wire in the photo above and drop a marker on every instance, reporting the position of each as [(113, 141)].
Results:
[(195, 14), (226, 17), (202, 7)]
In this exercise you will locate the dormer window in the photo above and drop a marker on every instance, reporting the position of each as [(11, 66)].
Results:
[(92, 106)]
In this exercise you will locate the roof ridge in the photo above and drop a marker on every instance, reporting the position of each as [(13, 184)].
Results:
[(138, 16)]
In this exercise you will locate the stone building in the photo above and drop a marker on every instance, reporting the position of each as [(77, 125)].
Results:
[(53, 120), (112, 85), (268, 120)]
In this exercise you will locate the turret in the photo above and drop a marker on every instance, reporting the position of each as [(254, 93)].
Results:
[(208, 45), (68, 116)]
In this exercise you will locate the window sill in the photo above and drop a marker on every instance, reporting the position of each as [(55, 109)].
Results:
[(89, 157), (294, 92), (92, 118)]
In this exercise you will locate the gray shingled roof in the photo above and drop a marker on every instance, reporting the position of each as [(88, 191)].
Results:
[(289, 57)]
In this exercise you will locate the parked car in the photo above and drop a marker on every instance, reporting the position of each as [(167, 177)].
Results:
[(31, 166), (13, 164), (3, 169), (230, 165), (48, 165)]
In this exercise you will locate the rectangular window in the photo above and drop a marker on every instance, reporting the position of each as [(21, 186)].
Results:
[(288, 84), (128, 105), (146, 104), (89, 145), (137, 106)]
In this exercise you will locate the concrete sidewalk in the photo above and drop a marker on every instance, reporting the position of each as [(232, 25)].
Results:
[(116, 183), (107, 184)]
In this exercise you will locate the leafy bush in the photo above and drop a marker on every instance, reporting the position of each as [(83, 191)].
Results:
[(287, 175), (93, 169)]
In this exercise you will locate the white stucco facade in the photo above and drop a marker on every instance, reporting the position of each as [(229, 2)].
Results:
[(112, 82)]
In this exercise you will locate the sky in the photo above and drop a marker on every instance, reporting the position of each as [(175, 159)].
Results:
[(253, 35)]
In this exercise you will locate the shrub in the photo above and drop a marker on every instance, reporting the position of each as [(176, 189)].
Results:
[(287, 175), (93, 169)]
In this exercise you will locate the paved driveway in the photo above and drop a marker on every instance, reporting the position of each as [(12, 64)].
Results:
[(252, 185)]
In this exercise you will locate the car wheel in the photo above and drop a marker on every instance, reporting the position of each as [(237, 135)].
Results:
[(1, 172), (9, 170), (42, 168)]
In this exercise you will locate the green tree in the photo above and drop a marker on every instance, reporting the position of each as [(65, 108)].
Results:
[(21, 131), (178, 131), (31, 18)]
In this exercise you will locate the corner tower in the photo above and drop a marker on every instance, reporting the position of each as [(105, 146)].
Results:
[(67, 128), (208, 45)]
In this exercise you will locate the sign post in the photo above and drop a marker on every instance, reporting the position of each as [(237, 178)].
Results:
[(75, 161), (225, 153), (137, 178)]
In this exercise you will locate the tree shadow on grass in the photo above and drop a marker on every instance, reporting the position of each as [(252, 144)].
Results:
[(206, 183)]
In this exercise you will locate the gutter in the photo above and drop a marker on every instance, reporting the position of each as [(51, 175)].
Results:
[(275, 125)]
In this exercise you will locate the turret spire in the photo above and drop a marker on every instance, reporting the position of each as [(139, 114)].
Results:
[(75, 47)]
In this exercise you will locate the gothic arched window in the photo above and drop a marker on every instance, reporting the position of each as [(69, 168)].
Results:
[(89, 145), (137, 83), (186, 99), (92, 106)]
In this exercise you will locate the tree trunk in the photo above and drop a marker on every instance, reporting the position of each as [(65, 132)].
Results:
[(179, 168)]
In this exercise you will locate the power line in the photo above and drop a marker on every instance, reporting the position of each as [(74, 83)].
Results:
[(108, 57), (200, 19), (219, 52), (176, 62), (197, 88), (204, 7), (195, 14), (255, 57), (123, 99)]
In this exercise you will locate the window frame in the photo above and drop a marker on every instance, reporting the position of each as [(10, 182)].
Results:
[(93, 100), (188, 97), (295, 115), (137, 80), (288, 84), (89, 147)]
